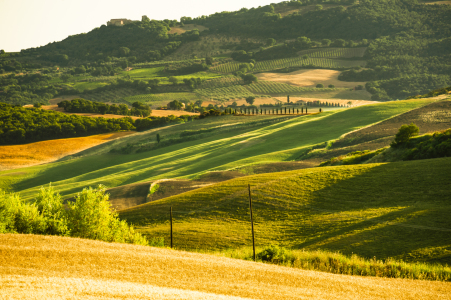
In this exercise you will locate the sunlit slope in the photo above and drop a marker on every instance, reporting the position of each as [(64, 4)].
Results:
[(398, 210), (45, 267), (276, 142)]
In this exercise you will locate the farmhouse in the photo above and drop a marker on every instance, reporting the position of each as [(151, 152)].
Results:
[(118, 22)]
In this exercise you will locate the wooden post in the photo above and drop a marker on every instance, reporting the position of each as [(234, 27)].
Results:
[(252, 221), (171, 228)]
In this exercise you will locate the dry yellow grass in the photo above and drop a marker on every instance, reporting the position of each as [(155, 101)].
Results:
[(47, 267), (19, 156), (309, 78)]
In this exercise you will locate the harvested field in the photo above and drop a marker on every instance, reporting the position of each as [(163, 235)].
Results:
[(49, 267), (19, 156), (309, 78), (430, 118), (334, 101)]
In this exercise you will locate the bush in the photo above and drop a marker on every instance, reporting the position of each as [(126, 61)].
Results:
[(274, 253), (404, 134), (320, 86), (90, 216), (331, 86)]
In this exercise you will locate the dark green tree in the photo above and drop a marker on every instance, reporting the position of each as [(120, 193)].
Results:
[(250, 100), (404, 134)]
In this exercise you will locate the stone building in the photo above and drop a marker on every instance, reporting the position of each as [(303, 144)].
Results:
[(118, 22)]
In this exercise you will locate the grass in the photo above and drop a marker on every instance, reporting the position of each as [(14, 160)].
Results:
[(50, 267), (145, 73), (338, 263), (283, 141), (86, 86), (397, 210)]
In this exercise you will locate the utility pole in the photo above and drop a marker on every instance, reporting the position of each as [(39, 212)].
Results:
[(171, 227), (252, 220)]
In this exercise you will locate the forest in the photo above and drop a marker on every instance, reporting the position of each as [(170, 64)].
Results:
[(407, 50)]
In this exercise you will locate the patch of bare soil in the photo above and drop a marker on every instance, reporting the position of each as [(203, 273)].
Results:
[(309, 78), (126, 196)]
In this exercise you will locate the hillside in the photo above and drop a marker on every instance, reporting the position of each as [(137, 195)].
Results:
[(397, 210), (224, 150), (395, 49), (57, 267)]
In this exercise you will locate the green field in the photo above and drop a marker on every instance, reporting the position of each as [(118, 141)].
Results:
[(398, 210), (145, 73), (277, 142)]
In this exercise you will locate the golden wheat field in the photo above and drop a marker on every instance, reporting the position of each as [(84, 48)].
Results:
[(19, 156), (49, 267), (309, 78)]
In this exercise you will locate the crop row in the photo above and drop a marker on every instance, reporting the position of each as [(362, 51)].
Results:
[(334, 52), (310, 62), (221, 82), (271, 88), (225, 93)]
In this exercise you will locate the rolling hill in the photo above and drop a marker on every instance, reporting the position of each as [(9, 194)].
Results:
[(281, 141)]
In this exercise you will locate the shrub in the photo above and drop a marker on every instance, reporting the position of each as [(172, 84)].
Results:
[(320, 86), (331, 86), (274, 253), (404, 134), (90, 216)]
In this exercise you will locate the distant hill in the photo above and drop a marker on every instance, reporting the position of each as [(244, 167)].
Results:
[(407, 50)]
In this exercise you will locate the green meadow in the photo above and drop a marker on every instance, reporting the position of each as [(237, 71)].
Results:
[(273, 142), (397, 210)]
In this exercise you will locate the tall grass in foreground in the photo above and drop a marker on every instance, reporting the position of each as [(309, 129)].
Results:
[(340, 264)]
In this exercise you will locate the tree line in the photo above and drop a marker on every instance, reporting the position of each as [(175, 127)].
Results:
[(23, 125), (86, 106)]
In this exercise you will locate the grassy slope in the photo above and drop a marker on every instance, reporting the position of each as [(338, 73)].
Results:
[(272, 143), (398, 210), (48, 267)]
